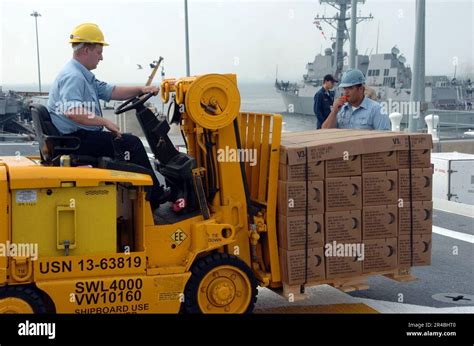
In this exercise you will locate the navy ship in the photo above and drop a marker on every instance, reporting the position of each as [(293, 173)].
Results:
[(15, 116), (388, 75)]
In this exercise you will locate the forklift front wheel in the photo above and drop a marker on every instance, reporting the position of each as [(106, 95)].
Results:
[(20, 300), (220, 283)]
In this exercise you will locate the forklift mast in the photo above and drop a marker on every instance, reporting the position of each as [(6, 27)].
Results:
[(237, 155)]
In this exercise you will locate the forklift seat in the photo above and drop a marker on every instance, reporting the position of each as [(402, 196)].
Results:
[(52, 145)]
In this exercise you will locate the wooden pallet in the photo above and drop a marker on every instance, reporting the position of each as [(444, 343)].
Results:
[(350, 284), (401, 275), (293, 293)]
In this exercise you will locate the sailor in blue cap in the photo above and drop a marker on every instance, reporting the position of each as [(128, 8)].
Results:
[(353, 110), (324, 99)]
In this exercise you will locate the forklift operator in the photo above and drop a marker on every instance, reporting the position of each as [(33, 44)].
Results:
[(75, 109)]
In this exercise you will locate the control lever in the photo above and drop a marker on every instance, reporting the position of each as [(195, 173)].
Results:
[(201, 195)]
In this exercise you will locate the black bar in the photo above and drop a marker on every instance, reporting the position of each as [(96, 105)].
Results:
[(350, 329)]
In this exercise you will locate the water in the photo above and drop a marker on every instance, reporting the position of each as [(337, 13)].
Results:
[(262, 98), (258, 97)]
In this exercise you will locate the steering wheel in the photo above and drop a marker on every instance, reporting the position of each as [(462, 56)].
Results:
[(133, 103)]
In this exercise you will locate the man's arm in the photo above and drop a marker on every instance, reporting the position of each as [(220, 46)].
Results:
[(83, 117), (124, 93), (331, 120)]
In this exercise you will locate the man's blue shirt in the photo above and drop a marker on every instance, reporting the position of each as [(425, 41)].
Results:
[(369, 115), (76, 86)]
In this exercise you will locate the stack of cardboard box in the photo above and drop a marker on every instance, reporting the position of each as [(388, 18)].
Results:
[(346, 201)]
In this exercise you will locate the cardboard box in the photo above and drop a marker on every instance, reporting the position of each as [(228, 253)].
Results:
[(421, 250), (314, 136), (292, 197), (343, 167), (317, 151), (380, 221), (380, 255), (343, 193), (380, 188), (298, 172), (343, 226), (292, 231), (320, 145), (422, 184), (311, 136), (422, 218), (419, 141), (419, 159), (377, 162), (293, 265), (342, 267)]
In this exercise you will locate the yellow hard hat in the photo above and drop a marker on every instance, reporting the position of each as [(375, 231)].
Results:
[(87, 33)]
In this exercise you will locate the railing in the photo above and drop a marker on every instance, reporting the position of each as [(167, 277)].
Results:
[(453, 124)]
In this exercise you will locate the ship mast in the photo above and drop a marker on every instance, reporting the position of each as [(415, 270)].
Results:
[(338, 22)]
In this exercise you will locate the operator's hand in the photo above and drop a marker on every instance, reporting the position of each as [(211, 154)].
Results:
[(109, 125), (339, 102), (150, 89)]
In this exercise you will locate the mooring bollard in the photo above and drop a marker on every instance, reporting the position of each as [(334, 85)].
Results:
[(432, 121), (395, 119)]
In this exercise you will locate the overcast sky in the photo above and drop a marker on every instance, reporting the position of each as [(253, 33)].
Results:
[(249, 38)]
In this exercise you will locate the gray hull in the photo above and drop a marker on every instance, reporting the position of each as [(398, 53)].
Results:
[(297, 104), (436, 98)]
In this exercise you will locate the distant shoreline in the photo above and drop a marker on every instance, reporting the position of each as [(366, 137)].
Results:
[(46, 87)]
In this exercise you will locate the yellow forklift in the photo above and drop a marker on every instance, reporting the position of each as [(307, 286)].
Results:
[(100, 246)]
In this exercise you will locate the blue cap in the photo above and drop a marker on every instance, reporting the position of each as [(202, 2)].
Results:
[(352, 77)]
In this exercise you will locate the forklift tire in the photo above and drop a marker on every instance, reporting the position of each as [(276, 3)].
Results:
[(21, 300), (220, 283)]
